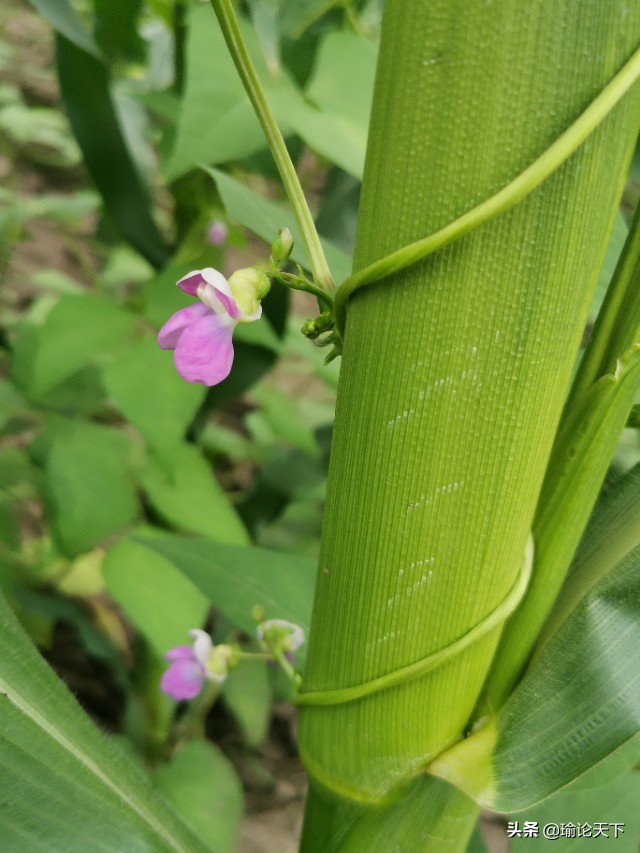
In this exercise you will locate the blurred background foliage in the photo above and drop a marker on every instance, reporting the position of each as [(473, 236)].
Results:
[(124, 133)]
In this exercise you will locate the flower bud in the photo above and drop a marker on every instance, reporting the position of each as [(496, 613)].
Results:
[(217, 232), (279, 635), (282, 245), (248, 287), (219, 662)]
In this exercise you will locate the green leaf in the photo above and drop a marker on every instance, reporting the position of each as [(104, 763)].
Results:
[(88, 483), (476, 842), (11, 403), (160, 601), (90, 326), (106, 154), (580, 458), (183, 489), (613, 803), (63, 786), (577, 704), (264, 217), (341, 90), (247, 694), (203, 788), (217, 123), (614, 248), (152, 396), (63, 17), (613, 531), (298, 15), (116, 29), (283, 417), (236, 579)]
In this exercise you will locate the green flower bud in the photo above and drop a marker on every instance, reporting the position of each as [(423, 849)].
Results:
[(248, 287), (282, 245)]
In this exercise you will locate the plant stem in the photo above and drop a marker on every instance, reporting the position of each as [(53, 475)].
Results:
[(544, 166), (237, 48), (456, 369)]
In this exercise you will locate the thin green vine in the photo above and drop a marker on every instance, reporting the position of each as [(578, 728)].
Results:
[(237, 48), (554, 156), (421, 667)]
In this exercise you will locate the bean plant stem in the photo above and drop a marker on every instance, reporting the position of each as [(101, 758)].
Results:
[(237, 48)]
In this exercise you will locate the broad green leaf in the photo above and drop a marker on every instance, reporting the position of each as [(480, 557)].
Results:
[(204, 790), (63, 17), (217, 122), (88, 483), (236, 579), (283, 417), (298, 15), (613, 803), (579, 702), (9, 530), (107, 157), (91, 327), (160, 601), (341, 90), (183, 489), (247, 694), (152, 396), (12, 403), (264, 217), (63, 786)]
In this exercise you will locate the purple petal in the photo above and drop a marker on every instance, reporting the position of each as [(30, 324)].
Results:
[(204, 352), (190, 282), (170, 333), (183, 680), (180, 653)]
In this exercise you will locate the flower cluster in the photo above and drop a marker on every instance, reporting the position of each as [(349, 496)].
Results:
[(192, 665), (200, 334)]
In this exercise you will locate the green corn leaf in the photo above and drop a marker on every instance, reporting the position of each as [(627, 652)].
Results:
[(578, 465), (579, 702), (63, 17), (596, 798), (426, 815), (63, 786), (105, 151), (613, 531), (264, 217), (236, 579)]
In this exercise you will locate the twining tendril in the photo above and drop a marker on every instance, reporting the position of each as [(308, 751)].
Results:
[(554, 156), (437, 659)]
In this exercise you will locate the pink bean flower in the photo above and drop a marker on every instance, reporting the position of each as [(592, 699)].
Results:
[(200, 334), (192, 665)]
